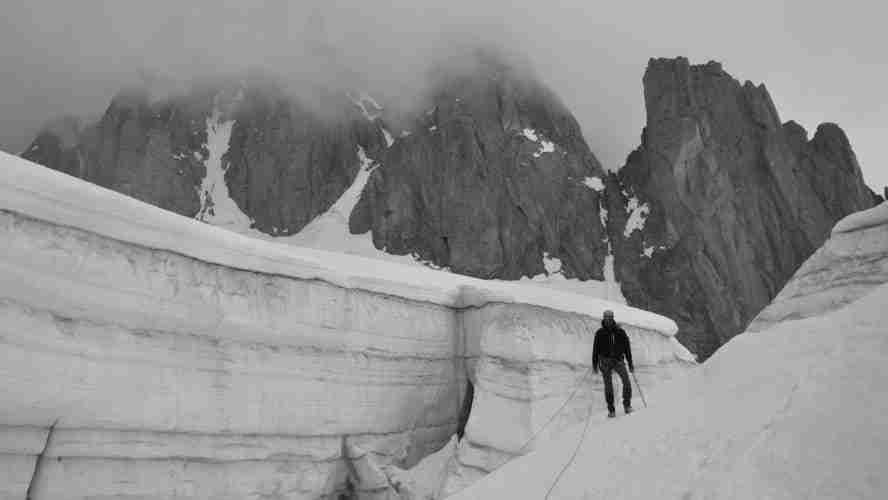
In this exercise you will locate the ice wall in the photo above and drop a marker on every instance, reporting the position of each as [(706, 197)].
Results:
[(175, 359), (531, 369), (852, 262), (169, 376)]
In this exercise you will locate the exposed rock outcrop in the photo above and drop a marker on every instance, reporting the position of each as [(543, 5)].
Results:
[(721, 203), (152, 151), (488, 180), (285, 164)]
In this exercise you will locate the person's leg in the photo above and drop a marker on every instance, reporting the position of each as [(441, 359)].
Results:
[(606, 373), (627, 384)]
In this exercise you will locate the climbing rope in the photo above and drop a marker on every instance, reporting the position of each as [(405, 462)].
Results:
[(573, 456), (551, 418), (582, 438)]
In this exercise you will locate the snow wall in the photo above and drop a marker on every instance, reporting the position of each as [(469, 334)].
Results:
[(149, 355), (852, 262)]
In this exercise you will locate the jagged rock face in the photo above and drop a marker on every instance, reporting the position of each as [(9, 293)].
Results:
[(488, 182), (49, 149), (286, 165), (489, 179), (56, 146), (150, 151), (723, 203)]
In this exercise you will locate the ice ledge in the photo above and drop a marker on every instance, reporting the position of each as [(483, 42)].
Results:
[(41, 193), (857, 221)]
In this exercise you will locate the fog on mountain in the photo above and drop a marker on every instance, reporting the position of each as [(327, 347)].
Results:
[(363, 251)]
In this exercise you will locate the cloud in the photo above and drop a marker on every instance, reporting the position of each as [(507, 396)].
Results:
[(71, 57)]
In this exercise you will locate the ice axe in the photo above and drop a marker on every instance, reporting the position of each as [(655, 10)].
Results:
[(639, 388)]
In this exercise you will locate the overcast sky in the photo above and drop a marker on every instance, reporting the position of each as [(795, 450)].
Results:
[(821, 60)]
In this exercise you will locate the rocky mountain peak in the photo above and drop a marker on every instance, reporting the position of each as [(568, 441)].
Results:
[(736, 201), (489, 181)]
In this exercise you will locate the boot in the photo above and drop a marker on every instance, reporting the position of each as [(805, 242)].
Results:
[(628, 409), (611, 414)]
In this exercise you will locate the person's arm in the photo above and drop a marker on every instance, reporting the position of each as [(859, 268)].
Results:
[(595, 353), (628, 352)]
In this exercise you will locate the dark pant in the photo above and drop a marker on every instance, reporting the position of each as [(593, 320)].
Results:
[(608, 366)]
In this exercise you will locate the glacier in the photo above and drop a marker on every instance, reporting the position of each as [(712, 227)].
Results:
[(792, 408), (172, 358)]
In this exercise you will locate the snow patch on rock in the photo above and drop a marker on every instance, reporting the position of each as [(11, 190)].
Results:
[(530, 134), (216, 205), (554, 278), (552, 264), (389, 140), (613, 290), (545, 145), (594, 183), (638, 212), (648, 251)]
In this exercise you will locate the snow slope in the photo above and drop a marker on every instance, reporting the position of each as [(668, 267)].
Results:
[(793, 411), (849, 265)]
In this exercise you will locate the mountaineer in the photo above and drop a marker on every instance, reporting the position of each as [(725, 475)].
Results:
[(610, 348)]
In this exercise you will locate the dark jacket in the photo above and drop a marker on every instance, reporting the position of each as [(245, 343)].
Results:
[(612, 342)]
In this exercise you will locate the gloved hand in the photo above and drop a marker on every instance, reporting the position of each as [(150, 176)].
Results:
[(631, 369), (594, 368)]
